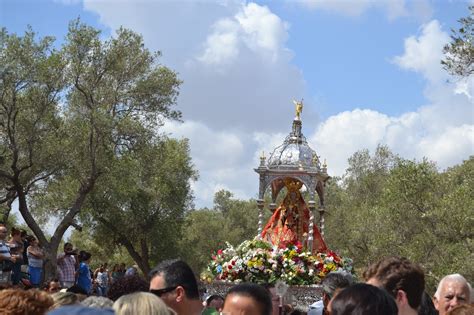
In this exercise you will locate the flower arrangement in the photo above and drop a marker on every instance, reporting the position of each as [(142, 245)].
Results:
[(259, 262)]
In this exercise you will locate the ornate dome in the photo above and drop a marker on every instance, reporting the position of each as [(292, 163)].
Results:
[(294, 153)]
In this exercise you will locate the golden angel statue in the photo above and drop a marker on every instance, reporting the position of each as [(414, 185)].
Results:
[(299, 108)]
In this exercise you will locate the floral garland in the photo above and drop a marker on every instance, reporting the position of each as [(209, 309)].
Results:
[(260, 262)]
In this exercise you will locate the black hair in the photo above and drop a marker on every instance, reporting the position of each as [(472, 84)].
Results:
[(76, 289), (67, 244), (258, 293), (427, 307), (127, 285), (213, 297), (177, 273), (84, 256), (363, 299)]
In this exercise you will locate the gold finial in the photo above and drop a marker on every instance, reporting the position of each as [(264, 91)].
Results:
[(315, 160), (299, 108), (325, 165)]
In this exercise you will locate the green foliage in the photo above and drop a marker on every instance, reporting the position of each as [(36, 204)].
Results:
[(460, 52), (141, 203), (103, 250), (404, 208), (206, 230), (70, 117)]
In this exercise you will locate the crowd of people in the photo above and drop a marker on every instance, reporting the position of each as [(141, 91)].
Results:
[(391, 286)]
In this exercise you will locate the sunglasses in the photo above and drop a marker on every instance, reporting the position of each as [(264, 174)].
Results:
[(160, 292)]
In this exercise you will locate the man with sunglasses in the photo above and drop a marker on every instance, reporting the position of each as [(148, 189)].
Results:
[(174, 282)]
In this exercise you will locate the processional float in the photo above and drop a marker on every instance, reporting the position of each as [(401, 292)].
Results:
[(289, 251)]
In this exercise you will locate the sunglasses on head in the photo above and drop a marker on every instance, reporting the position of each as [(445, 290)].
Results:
[(160, 292)]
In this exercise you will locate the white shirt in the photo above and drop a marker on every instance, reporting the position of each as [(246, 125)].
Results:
[(316, 308)]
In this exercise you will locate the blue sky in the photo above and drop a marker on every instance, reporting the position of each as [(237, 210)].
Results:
[(368, 71)]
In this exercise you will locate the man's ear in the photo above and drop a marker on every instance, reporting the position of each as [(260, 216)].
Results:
[(180, 294), (401, 298), (435, 302), (326, 299)]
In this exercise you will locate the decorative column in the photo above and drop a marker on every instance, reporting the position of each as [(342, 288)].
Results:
[(321, 220), (261, 194), (260, 204), (321, 204), (311, 207)]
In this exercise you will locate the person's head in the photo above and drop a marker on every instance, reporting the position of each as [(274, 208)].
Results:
[(215, 301), (333, 282), (427, 306), (175, 283), (77, 290), (140, 303), (127, 285), (453, 290), (404, 280), (98, 302), (53, 286), (68, 248), (33, 241), (3, 232), (84, 256), (14, 302), (81, 310), (16, 234), (248, 299), (363, 299), (64, 298)]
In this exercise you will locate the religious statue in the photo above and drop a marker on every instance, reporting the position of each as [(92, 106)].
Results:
[(290, 221), (299, 108)]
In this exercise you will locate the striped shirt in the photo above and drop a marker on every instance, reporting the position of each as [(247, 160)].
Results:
[(34, 261), (4, 249)]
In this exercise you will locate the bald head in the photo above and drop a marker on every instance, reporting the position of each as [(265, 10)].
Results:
[(453, 290)]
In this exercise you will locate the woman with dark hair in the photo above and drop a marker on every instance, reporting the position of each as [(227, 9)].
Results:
[(35, 262), (363, 299), (248, 299), (83, 274)]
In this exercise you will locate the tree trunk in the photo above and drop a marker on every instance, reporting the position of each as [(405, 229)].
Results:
[(50, 248), (141, 260)]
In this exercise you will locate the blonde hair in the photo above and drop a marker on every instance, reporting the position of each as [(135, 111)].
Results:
[(143, 303), (64, 298)]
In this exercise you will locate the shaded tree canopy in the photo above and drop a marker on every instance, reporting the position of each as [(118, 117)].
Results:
[(67, 114)]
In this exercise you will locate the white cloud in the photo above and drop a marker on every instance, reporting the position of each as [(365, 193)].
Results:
[(239, 83), (442, 131), (253, 27), (423, 54)]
